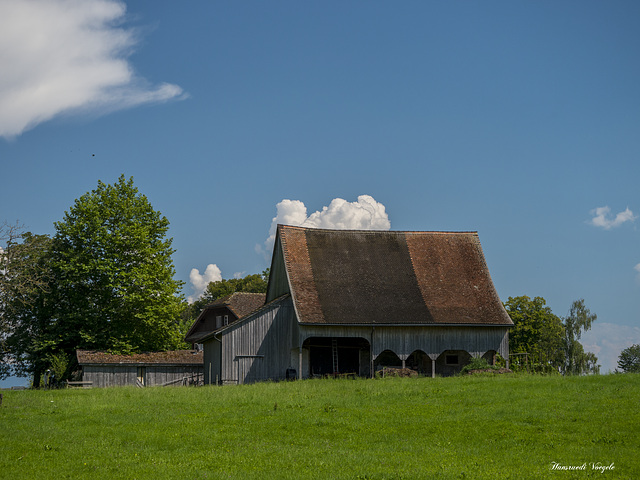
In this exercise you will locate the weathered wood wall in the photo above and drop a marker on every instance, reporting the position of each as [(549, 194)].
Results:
[(256, 348), (123, 375), (432, 340)]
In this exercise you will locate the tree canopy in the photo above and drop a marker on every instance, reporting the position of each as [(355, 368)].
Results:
[(576, 360), (537, 330), (24, 278), (551, 342), (629, 359)]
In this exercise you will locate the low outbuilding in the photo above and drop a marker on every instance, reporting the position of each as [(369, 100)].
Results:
[(178, 367)]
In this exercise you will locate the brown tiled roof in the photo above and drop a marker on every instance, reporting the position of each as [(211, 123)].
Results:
[(240, 303), (385, 277), (176, 357)]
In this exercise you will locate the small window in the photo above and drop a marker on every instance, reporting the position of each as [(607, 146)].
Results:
[(219, 321), (226, 319), (451, 360)]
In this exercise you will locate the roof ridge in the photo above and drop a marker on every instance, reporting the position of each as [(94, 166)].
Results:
[(375, 231)]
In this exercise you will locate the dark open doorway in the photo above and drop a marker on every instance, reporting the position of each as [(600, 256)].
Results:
[(336, 356)]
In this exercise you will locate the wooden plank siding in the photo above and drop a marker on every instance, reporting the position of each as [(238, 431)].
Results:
[(432, 340), (123, 375), (256, 348)]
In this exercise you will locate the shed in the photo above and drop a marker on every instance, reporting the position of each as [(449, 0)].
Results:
[(352, 302), (178, 367)]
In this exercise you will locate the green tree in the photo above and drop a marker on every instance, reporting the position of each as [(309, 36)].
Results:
[(552, 343), (113, 287), (629, 359), (24, 279), (576, 360), (537, 332)]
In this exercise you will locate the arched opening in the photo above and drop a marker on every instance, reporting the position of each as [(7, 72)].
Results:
[(420, 362), (451, 362), (387, 358), (337, 356)]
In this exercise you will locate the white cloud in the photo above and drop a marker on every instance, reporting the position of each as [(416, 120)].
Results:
[(607, 340), (601, 218), (66, 56), (364, 214), (199, 282)]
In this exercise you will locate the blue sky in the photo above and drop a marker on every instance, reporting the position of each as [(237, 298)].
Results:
[(519, 120)]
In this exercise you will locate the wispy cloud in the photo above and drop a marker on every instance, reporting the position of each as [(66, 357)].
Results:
[(67, 56), (602, 218), (364, 214), (200, 281)]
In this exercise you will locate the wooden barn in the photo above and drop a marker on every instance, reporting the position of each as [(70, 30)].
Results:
[(222, 312), (179, 367), (353, 302)]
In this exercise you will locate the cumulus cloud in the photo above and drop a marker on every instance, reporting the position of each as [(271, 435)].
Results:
[(364, 214), (607, 340), (67, 56), (199, 281), (603, 219)]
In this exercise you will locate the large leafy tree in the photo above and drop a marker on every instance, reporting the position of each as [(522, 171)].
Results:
[(537, 331), (113, 285), (629, 359)]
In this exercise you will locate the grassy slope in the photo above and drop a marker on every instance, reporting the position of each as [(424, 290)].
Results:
[(481, 427)]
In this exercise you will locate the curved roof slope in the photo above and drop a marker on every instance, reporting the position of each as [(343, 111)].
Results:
[(385, 277)]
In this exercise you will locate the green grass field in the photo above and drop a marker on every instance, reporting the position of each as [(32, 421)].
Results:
[(395, 428)]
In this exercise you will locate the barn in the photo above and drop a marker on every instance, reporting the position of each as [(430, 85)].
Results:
[(178, 367), (345, 302)]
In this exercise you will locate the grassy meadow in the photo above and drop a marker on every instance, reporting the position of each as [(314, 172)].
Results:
[(475, 427)]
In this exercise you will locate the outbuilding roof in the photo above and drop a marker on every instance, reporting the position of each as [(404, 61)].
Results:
[(389, 277), (240, 303), (175, 357)]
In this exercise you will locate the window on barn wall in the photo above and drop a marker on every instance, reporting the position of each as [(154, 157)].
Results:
[(452, 360), (218, 321), (226, 320)]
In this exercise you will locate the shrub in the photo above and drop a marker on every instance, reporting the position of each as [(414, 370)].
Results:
[(477, 364)]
